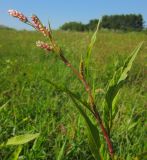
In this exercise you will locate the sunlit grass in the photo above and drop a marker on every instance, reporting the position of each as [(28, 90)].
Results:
[(35, 106)]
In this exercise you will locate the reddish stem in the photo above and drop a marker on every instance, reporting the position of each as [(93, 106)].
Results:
[(105, 134), (92, 104)]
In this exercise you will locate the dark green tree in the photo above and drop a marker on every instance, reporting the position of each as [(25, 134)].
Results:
[(73, 26), (123, 22), (116, 22)]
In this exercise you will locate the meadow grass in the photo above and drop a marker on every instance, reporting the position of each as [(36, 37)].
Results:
[(30, 104)]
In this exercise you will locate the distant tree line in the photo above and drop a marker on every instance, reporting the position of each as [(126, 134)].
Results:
[(115, 22), (5, 27)]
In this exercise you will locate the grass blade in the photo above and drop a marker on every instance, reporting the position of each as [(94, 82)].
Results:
[(89, 51), (16, 153), (93, 133), (68, 92), (4, 105), (61, 153)]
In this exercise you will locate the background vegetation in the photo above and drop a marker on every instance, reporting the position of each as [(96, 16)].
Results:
[(129, 22), (30, 105)]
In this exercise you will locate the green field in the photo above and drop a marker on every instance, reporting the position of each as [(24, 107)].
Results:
[(31, 105)]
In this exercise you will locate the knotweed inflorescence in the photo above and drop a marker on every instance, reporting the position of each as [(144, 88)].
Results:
[(18, 15), (44, 46), (39, 26)]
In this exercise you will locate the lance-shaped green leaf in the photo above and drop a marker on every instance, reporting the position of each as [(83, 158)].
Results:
[(21, 139), (89, 50), (114, 86), (129, 62), (92, 133), (68, 92)]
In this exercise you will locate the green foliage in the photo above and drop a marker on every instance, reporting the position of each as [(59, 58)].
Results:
[(92, 24), (61, 153), (4, 105), (21, 139), (78, 26), (3, 27), (90, 47), (34, 106), (123, 22), (15, 154), (110, 108), (128, 22), (93, 133), (73, 26)]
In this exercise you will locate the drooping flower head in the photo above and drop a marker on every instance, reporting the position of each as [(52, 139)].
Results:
[(18, 15), (44, 45)]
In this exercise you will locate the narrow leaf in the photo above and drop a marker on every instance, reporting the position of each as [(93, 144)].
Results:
[(15, 154), (129, 62), (4, 105), (93, 133), (90, 47), (21, 139), (68, 92), (61, 153), (132, 125), (114, 86)]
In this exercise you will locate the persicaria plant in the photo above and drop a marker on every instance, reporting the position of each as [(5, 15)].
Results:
[(104, 121)]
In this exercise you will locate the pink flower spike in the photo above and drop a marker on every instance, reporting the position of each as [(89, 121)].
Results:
[(44, 45), (39, 26), (18, 15)]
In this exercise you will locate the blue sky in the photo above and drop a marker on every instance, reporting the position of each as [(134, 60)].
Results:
[(61, 11)]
